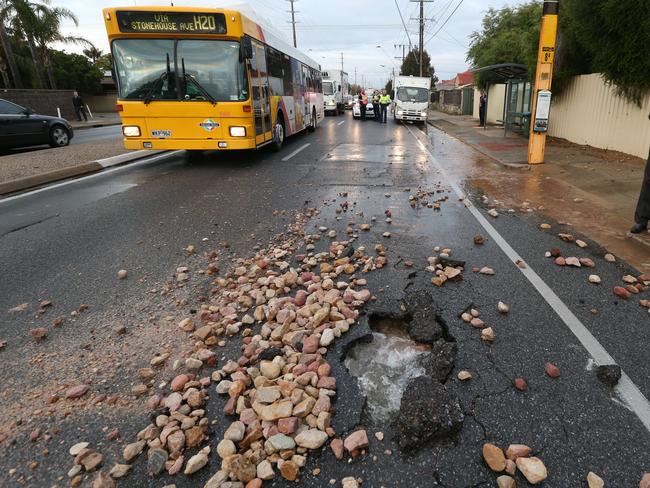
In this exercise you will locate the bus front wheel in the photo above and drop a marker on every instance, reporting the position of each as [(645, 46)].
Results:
[(278, 133)]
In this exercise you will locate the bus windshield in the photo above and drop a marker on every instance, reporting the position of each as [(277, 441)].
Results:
[(183, 69), (412, 94), (328, 88)]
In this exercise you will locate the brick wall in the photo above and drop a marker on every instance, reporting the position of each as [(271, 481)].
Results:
[(43, 102)]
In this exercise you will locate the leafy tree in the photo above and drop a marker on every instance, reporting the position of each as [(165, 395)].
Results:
[(93, 53), (105, 62), (411, 64), (508, 35), (355, 89), (389, 87), (609, 37), (76, 72)]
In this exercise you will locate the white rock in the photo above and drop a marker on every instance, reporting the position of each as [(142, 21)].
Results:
[(503, 308), (226, 448), (77, 448), (311, 438), (532, 468), (327, 337), (595, 481), (265, 470), (493, 213), (197, 461), (235, 432), (595, 279)]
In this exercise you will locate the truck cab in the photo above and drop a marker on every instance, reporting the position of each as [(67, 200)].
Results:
[(412, 95), (335, 91)]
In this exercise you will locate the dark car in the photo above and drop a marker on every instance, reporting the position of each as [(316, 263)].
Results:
[(20, 127)]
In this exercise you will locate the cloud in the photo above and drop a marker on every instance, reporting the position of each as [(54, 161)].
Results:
[(327, 28)]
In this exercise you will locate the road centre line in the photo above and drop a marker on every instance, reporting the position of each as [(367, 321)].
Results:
[(626, 388), (142, 162), (341, 123), (301, 148)]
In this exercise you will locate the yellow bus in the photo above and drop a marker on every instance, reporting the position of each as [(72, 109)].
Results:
[(208, 79)]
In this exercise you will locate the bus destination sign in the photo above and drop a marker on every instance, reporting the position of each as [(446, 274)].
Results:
[(171, 22)]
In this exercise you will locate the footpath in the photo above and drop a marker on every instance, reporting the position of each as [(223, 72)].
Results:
[(98, 120), (594, 190)]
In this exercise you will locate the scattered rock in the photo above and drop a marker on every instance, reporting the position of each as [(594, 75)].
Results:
[(132, 450), (289, 470), (157, 460), (311, 438), (494, 457), (493, 213), (515, 451), (197, 461), (119, 470), (122, 274), (609, 374), (76, 391), (464, 375), (532, 468), (609, 258), (479, 240), (621, 292), (595, 279), (38, 334), (645, 481), (349, 482), (520, 384), (103, 480), (552, 370), (506, 481), (595, 481), (356, 441), (77, 448), (487, 335)]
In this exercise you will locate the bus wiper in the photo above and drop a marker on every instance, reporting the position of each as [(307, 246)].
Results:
[(149, 96), (158, 84), (191, 79)]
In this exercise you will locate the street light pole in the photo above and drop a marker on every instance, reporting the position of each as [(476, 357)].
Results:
[(543, 77)]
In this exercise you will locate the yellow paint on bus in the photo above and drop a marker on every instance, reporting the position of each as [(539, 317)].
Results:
[(208, 79)]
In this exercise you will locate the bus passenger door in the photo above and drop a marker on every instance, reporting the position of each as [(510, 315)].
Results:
[(260, 89)]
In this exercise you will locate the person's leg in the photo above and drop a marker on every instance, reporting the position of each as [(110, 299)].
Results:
[(384, 113), (642, 212), (83, 111), (76, 110)]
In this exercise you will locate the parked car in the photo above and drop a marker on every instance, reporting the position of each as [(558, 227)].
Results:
[(356, 110), (21, 126)]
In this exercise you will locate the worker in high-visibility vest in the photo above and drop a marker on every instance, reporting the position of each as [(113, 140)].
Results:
[(384, 102)]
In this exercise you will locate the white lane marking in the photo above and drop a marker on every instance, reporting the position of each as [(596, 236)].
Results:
[(626, 388), (301, 148), (122, 158), (94, 175), (341, 123)]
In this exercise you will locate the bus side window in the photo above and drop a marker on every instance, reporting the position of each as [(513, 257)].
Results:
[(288, 75), (274, 63)]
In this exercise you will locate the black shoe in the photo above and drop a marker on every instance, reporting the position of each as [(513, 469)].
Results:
[(638, 228)]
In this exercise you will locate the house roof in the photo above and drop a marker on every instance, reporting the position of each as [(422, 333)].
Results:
[(465, 78)]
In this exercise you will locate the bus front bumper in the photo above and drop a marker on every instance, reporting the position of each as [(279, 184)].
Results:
[(189, 144)]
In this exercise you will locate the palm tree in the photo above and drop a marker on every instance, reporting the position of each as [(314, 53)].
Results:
[(6, 46), (93, 53), (40, 25)]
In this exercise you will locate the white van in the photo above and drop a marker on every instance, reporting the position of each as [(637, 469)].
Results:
[(412, 95)]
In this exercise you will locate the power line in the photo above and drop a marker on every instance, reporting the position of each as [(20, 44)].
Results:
[(404, 24), (446, 20)]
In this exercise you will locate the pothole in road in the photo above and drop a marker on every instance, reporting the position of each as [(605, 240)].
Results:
[(385, 365)]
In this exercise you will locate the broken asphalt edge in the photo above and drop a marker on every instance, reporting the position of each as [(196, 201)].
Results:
[(523, 165), (29, 182)]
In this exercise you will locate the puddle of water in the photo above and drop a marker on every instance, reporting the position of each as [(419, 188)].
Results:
[(383, 368)]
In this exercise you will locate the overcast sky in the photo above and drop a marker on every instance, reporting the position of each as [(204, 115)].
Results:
[(328, 27)]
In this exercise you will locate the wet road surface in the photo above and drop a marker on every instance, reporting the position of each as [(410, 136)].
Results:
[(66, 245)]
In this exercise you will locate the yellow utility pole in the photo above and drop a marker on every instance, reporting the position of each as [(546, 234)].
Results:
[(543, 77)]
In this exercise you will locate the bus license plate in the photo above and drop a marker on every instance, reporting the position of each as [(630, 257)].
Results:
[(161, 133)]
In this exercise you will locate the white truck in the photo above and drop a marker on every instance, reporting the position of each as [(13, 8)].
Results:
[(411, 97), (335, 90)]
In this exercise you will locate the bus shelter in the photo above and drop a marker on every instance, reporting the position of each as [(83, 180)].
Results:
[(517, 96)]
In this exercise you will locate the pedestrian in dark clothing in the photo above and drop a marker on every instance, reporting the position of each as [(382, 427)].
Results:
[(481, 108), (375, 106), (79, 107), (642, 213)]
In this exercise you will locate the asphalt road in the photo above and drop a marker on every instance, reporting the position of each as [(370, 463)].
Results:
[(83, 136), (67, 243)]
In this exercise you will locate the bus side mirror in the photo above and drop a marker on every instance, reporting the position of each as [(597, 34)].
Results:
[(245, 48)]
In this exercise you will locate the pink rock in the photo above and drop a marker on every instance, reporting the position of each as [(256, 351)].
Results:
[(478, 323), (282, 316), (645, 481), (323, 404), (552, 370), (288, 425), (301, 298), (515, 451), (324, 370), (621, 292), (153, 402), (337, 448), (76, 391), (313, 367), (299, 369), (355, 441), (254, 483), (179, 382), (248, 416), (560, 261), (306, 276), (327, 382), (521, 384), (363, 295), (310, 344), (231, 404)]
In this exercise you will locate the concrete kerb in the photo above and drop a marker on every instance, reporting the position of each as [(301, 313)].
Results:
[(29, 182)]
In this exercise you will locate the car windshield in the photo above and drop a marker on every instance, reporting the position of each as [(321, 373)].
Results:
[(328, 88), (168, 69), (412, 94)]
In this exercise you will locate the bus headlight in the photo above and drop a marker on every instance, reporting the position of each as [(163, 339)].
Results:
[(237, 131), (131, 131)]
